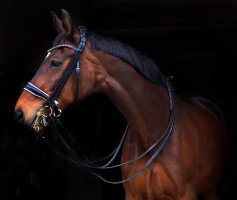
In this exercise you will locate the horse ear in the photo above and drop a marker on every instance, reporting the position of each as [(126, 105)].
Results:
[(57, 23), (67, 24)]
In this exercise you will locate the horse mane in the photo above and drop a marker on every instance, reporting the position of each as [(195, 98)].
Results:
[(144, 65)]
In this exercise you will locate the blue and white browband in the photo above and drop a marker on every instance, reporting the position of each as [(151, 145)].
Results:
[(29, 87)]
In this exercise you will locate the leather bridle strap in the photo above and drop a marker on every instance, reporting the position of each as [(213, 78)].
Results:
[(31, 88), (70, 68), (50, 100)]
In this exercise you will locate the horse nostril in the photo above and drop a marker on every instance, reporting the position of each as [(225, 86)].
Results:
[(19, 116)]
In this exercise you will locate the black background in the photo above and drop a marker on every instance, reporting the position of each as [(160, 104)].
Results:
[(195, 41)]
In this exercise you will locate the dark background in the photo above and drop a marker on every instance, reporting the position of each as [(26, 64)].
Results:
[(194, 40)]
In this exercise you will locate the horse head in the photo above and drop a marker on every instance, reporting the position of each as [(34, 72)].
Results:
[(55, 87)]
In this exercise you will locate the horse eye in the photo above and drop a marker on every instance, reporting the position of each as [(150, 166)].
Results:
[(55, 63)]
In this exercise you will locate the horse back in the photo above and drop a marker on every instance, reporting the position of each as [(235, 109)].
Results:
[(207, 105)]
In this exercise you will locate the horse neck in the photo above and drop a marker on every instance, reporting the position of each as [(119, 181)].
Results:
[(145, 105)]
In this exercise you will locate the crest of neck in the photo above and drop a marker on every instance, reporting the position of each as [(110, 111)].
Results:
[(144, 104)]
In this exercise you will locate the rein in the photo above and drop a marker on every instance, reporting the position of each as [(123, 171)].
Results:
[(49, 110), (156, 147)]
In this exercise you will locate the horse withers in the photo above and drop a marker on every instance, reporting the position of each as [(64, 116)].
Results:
[(173, 149)]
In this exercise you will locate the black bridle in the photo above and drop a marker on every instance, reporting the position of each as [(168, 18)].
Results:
[(51, 104), (53, 111)]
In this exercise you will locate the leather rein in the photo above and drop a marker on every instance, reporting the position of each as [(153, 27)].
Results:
[(50, 109)]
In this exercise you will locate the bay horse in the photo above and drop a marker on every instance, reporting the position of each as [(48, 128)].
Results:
[(184, 140)]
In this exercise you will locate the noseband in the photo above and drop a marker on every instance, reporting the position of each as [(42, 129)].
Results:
[(50, 106)]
